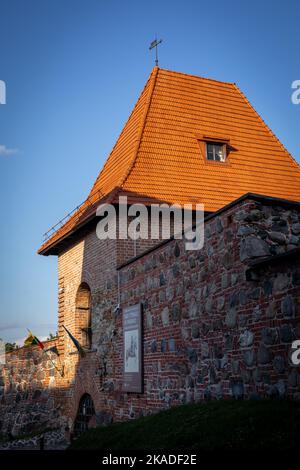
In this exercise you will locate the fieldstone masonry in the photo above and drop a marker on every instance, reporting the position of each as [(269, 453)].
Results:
[(218, 322), (229, 318), (28, 392)]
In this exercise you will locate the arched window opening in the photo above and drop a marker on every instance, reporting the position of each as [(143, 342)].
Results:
[(85, 412), (83, 315)]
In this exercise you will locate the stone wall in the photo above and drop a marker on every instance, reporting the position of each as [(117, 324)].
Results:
[(218, 322), (28, 391), (212, 326)]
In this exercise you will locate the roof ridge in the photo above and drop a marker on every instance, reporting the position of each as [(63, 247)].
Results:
[(269, 130), (92, 192), (197, 76), (152, 78)]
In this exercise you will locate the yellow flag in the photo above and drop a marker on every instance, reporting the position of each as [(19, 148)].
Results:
[(29, 340)]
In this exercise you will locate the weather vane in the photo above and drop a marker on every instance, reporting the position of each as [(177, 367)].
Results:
[(153, 44)]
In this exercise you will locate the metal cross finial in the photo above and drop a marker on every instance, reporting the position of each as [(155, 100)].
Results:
[(153, 44)]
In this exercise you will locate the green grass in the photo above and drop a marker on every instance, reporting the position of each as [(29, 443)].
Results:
[(232, 425)]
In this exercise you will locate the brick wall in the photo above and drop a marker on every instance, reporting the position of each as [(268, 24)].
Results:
[(91, 262)]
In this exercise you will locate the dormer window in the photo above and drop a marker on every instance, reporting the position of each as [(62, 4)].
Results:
[(216, 151)]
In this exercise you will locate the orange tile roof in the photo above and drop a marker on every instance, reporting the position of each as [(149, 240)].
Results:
[(158, 156)]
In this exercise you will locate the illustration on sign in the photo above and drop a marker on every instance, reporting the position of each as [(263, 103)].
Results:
[(131, 351), (132, 338)]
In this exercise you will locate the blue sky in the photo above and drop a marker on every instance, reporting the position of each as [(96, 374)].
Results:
[(73, 71)]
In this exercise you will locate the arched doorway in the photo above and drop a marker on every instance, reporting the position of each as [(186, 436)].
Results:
[(83, 315), (85, 412)]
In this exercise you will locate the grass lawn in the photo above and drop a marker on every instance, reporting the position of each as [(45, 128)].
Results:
[(232, 425)]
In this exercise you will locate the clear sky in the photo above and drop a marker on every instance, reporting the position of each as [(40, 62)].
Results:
[(73, 71)]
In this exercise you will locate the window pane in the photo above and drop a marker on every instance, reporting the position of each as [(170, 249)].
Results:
[(215, 152), (210, 152), (219, 152)]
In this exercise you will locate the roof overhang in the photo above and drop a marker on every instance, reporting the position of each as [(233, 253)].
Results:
[(88, 219)]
